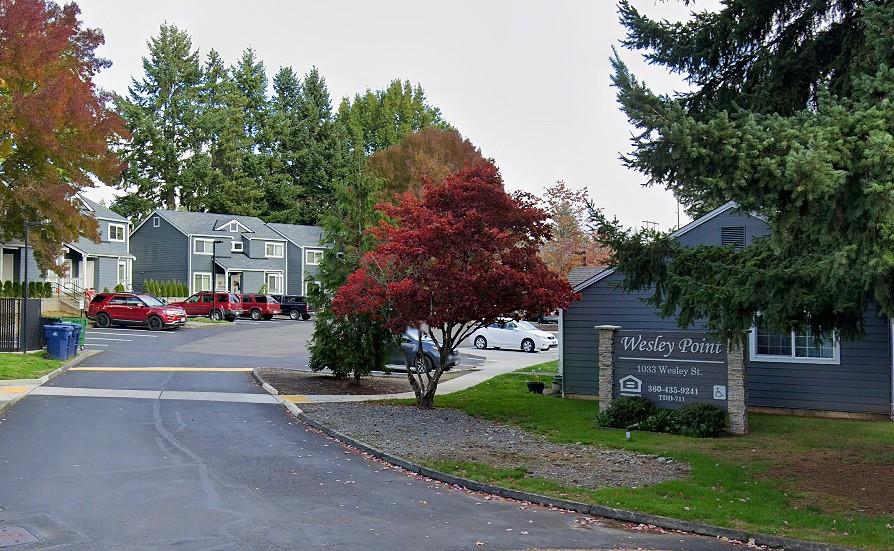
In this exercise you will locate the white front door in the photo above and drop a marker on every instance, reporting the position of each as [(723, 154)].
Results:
[(89, 277), (8, 263)]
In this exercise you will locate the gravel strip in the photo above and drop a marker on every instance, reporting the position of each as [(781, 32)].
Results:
[(447, 434)]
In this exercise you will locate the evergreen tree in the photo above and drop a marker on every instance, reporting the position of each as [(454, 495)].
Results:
[(161, 113), (376, 120), (791, 117)]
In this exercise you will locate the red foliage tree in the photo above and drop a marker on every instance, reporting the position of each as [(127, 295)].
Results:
[(458, 258), (55, 127)]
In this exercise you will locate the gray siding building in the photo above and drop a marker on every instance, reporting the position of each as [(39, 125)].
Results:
[(89, 265), (235, 253), (784, 372)]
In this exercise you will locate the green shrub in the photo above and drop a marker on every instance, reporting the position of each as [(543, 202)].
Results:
[(47, 289), (105, 290), (120, 288), (16, 289), (626, 411), (7, 288), (664, 420), (699, 420)]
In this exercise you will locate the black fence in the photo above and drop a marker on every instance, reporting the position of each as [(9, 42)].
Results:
[(11, 329)]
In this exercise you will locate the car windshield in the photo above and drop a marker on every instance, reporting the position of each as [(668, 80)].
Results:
[(150, 300), (526, 326)]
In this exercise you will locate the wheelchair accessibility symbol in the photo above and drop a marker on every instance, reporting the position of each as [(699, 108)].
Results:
[(720, 392)]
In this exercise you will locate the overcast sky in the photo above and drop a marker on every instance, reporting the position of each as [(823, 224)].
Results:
[(527, 81)]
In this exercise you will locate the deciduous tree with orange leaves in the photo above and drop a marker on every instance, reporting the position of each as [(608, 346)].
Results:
[(572, 244), (55, 125), (452, 261)]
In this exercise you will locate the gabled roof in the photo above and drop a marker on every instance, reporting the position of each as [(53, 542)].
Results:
[(204, 223), (303, 236), (100, 211), (225, 226), (685, 229), (582, 273)]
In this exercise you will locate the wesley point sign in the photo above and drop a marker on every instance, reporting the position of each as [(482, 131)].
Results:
[(670, 368)]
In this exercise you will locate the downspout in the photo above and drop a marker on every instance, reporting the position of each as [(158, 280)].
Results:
[(562, 349)]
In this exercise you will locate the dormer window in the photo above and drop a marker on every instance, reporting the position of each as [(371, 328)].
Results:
[(234, 227)]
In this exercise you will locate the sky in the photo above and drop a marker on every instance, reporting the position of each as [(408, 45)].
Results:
[(527, 81)]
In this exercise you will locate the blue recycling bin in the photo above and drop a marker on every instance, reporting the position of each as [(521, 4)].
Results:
[(75, 338), (58, 336)]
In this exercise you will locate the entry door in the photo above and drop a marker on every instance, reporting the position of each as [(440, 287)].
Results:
[(89, 271), (8, 264), (236, 283)]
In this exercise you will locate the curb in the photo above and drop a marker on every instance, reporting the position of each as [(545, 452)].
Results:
[(48, 377), (776, 542)]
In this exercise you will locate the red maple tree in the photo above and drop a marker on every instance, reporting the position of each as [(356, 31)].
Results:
[(55, 125), (452, 261)]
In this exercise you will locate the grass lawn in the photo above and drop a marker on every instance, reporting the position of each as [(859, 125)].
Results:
[(822, 479), (26, 366)]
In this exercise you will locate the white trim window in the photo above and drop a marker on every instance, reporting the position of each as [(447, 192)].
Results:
[(313, 257), (236, 246), (203, 247), (274, 281), (122, 273), (156, 221), (273, 249), (117, 232), (803, 346), (201, 281)]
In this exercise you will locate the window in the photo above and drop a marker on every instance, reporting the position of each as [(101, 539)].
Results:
[(201, 281), (234, 227), (273, 250), (248, 298), (116, 232), (122, 272), (733, 237), (308, 285), (793, 347), (236, 246), (274, 282), (203, 246), (208, 298), (119, 300), (192, 299), (313, 258), (156, 222)]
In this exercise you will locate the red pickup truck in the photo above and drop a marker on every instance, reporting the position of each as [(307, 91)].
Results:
[(258, 306), (216, 306)]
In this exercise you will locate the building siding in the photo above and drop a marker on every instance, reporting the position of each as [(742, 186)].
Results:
[(252, 281), (105, 270), (295, 264), (161, 254), (861, 383)]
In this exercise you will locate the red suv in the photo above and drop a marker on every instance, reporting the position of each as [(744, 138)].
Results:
[(131, 309), (216, 306), (260, 306)]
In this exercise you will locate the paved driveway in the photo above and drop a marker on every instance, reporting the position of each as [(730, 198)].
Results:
[(135, 453)]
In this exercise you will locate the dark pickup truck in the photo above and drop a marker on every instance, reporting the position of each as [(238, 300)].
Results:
[(294, 306)]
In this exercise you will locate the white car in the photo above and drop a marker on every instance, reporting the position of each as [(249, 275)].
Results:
[(518, 335)]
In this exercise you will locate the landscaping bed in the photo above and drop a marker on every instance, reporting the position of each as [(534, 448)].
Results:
[(290, 381), (444, 435), (32, 365)]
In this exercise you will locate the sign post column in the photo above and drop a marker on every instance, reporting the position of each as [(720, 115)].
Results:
[(606, 340), (736, 406)]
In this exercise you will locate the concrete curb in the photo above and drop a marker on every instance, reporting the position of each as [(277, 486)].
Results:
[(46, 378), (777, 542)]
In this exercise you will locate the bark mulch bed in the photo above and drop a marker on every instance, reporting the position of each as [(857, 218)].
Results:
[(289, 381)]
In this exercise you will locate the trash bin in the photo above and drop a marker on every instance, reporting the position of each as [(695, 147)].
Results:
[(82, 322), (58, 336), (74, 340)]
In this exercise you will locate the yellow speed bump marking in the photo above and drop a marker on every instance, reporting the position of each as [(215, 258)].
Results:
[(165, 369), (13, 389), (297, 398)]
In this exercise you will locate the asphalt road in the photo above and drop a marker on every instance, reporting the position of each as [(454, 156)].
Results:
[(85, 473)]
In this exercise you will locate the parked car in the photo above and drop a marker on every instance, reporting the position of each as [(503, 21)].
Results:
[(294, 306), (216, 306), (519, 335), (258, 306), (405, 353), (106, 309)]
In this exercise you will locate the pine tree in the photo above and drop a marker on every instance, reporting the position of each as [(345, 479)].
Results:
[(791, 117), (161, 112)]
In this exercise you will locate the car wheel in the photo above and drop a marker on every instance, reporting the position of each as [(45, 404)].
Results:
[(424, 365), (103, 320), (528, 345), (216, 315), (155, 323), (305, 316), (231, 318), (480, 342), (255, 314), (294, 314)]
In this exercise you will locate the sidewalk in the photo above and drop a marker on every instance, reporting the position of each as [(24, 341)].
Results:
[(498, 363)]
